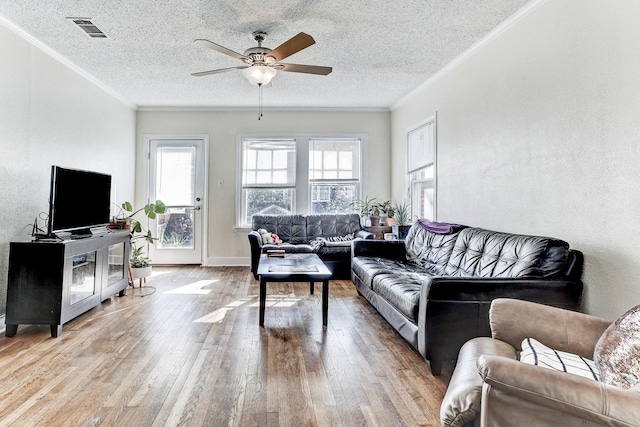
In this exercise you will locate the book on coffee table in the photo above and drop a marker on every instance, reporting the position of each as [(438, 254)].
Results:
[(275, 253)]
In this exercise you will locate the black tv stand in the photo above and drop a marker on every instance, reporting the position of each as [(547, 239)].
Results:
[(51, 282)]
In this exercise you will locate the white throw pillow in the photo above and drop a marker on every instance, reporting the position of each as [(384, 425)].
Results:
[(536, 353)]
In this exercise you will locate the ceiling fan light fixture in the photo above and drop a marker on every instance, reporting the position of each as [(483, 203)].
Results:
[(259, 75)]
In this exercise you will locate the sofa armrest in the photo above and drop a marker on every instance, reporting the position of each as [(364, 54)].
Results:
[(390, 249), (255, 245), (570, 394), (364, 234), (453, 310), (560, 329)]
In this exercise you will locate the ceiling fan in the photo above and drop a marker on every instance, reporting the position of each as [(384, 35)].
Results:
[(263, 63)]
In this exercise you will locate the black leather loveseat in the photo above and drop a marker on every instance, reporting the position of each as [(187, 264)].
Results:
[(435, 288), (297, 233)]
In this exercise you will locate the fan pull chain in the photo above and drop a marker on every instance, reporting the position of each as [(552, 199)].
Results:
[(259, 101)]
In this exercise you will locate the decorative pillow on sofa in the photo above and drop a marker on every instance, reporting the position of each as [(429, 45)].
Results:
[(617, 353), (332, 241), (316, 243), (339, 240), (268, 238), (536, 353)]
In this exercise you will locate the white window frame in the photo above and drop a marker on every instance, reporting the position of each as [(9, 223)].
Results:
[(302, 196), (355, 178), (422, 153)]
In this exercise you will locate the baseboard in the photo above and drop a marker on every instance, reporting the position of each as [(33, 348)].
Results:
[(227, 262)]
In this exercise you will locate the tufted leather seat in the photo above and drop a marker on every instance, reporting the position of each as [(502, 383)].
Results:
[(435, 289)]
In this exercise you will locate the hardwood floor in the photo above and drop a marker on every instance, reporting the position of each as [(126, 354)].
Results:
[(186, 349)]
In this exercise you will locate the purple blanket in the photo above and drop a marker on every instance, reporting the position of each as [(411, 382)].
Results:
[(440, 227)]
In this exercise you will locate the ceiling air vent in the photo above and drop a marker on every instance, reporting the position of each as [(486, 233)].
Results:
[(89, 28)]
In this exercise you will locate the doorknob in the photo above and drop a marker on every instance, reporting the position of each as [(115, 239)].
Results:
[(197, 208)]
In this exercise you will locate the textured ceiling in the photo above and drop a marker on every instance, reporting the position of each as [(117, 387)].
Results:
[(380, 50)]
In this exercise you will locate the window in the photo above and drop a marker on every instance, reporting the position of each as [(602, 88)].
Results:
[(334, 174), (268, 177), (298, 175), (421, 167)]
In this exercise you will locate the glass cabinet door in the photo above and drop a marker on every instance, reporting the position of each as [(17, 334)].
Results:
[(116, 263), (83, 277)]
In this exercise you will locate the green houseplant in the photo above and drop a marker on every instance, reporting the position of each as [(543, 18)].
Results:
[(402, 212), (369, 209), (388, 210), (140, 265)]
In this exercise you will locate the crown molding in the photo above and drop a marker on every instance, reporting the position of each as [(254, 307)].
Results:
[(270, 109), (63, 60), (517, 17)]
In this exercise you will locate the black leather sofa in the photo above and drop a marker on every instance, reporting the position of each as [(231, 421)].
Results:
[(297, 231), (436, 289)]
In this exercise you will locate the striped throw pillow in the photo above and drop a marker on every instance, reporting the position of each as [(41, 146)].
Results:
[(339, 240), (536, 353)]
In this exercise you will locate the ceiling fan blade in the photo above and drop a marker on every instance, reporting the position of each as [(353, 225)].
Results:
[(291, 46), (221, 70), (211, 45), (309, 69)]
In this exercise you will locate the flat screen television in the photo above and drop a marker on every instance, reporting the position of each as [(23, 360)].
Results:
[(79, 200)]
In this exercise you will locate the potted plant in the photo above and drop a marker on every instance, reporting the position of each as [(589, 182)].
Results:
[(369, 210), (402, 214), (388, 210), (140, 265)]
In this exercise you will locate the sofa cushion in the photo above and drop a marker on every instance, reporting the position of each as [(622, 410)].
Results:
[(366, 268), (290, 228), (536, 353), (334, 253), (289, 248), (401, 290), (429, 250), (617, 353), (331, 225), (484, 253)]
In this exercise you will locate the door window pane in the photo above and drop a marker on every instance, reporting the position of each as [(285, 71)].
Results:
[(175, 229), (176, 175)]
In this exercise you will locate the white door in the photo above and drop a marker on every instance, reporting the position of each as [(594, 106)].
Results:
[(177, 177)]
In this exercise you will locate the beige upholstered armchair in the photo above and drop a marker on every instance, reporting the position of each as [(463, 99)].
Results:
[(491, 387)]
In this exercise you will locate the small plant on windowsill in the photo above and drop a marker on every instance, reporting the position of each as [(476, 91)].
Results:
[(403, 219)]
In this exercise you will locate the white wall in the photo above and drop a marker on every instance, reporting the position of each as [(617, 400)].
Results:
[(49, 114), (538, 132), (227, 246)]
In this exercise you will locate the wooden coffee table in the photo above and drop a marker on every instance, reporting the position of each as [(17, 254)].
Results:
[(294, 268)]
